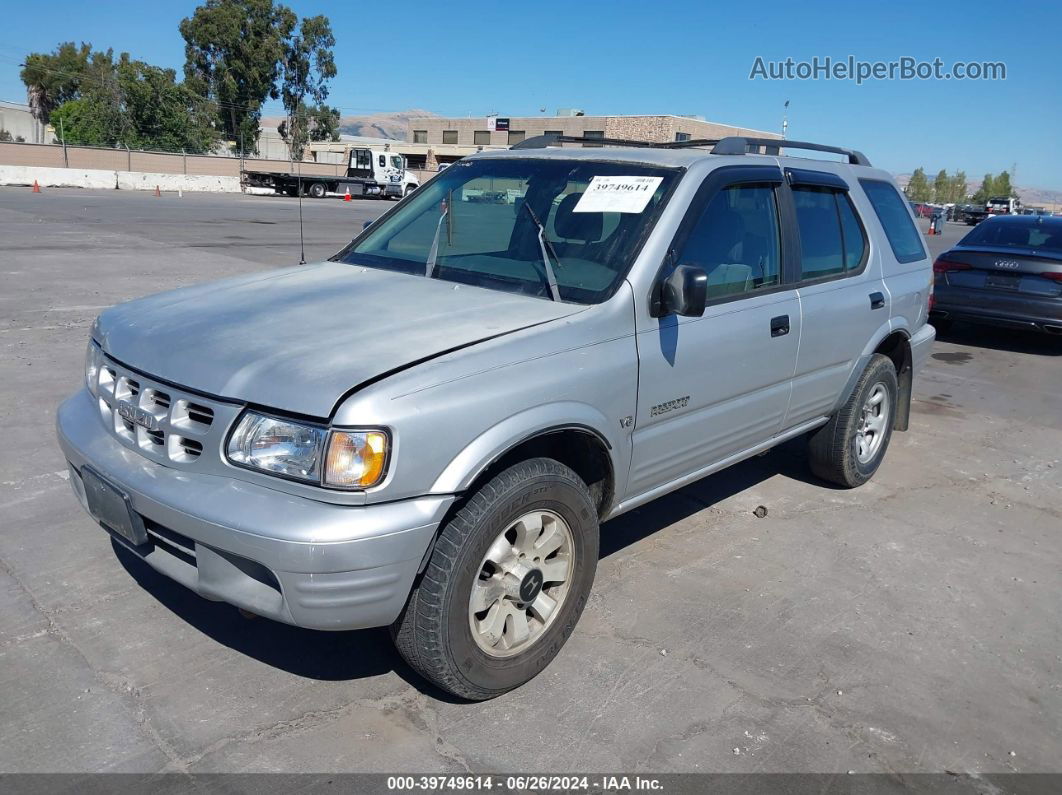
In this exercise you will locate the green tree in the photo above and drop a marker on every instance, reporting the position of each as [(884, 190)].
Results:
[(60, 76), (162, 113), (1001, 185), (942, 188), (986, 191), (89, 121), (958, 187), (324, 123), (139, 106), (308, 66), (318, 123), (918, 187), (233, 55)]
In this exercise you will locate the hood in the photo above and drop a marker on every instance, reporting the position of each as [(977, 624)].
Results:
[(298, 339)]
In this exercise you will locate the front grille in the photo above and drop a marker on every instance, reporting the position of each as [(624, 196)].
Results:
[(160, 421), (201, 414), (191, 447)]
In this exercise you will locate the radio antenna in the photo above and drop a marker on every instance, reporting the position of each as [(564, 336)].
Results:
[(294, 135), (302, 239)]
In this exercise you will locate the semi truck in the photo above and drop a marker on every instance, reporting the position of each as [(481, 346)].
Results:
[(370, 173)]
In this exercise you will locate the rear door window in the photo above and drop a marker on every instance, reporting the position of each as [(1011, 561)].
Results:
[(821, 244), (832, 242), (904, 238)]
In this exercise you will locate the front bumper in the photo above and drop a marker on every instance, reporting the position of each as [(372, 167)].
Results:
[(308, 563), (998, 308)]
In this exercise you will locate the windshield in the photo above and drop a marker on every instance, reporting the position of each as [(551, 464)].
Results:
[(506, 224), (1031, 234)]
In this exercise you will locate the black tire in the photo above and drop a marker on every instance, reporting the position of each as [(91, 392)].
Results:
[(316, 190), (832, 449), (433, 633), (409, 189)]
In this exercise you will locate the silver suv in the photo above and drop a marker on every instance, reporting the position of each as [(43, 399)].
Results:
[(428, 430)]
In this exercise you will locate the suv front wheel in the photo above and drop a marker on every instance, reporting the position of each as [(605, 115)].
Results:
[(848, 449), (506, 582)]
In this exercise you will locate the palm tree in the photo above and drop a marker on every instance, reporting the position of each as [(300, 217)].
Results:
[(54, 78), (39, 89)]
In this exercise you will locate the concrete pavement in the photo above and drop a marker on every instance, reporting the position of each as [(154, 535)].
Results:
[(909, 625)]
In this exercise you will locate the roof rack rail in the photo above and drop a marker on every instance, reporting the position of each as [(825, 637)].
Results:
[(690, 144), (733, 145), (738, 145), (542, 141)]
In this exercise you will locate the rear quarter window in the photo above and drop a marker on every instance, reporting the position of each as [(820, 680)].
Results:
[(891, 209)]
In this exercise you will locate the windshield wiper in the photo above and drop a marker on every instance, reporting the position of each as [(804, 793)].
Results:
[(547, 249)]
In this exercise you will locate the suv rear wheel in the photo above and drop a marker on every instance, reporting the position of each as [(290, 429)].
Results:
[(848, 449), (505, 584)]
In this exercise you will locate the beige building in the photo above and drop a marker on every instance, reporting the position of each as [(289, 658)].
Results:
[(18, 122), (441, 133)]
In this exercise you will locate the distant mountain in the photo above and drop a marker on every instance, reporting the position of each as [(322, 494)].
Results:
[(376, 125), (381, 125)]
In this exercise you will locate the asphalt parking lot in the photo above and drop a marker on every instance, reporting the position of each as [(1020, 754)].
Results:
[(909, 625)]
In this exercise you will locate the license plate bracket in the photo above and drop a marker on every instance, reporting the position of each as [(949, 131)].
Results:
[(110, 506), (1003, 281)]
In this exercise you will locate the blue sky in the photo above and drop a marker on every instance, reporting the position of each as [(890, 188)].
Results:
[(625, 57)]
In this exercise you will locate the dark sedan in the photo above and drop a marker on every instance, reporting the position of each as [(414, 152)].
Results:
[(1006, 272)]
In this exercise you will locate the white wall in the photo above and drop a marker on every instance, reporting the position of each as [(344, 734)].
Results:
[(57, 177), (122, 180), (140, 180)]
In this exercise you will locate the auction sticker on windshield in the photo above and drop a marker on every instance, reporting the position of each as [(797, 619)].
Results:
[(617, 194)]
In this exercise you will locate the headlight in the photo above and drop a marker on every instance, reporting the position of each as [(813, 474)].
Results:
[(343, 459), (278, 446), (93, 363)]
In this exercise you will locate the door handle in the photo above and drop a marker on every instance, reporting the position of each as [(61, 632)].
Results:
[(779, 325), (877, 301)]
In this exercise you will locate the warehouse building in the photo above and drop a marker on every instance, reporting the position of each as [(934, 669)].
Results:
[(499, 131), (17, 121)]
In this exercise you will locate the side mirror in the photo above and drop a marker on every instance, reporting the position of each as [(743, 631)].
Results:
[(684, 292)]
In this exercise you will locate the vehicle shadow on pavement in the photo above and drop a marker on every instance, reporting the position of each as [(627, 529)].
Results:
[(1002, 339), (357, 654), (788, 460), (328, 656)]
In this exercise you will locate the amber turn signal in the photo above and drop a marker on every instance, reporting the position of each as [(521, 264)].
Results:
[(355, 459)]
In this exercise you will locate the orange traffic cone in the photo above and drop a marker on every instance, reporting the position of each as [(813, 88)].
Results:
[(157, 192), (932, 227), (346, 196), (36, 187)]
